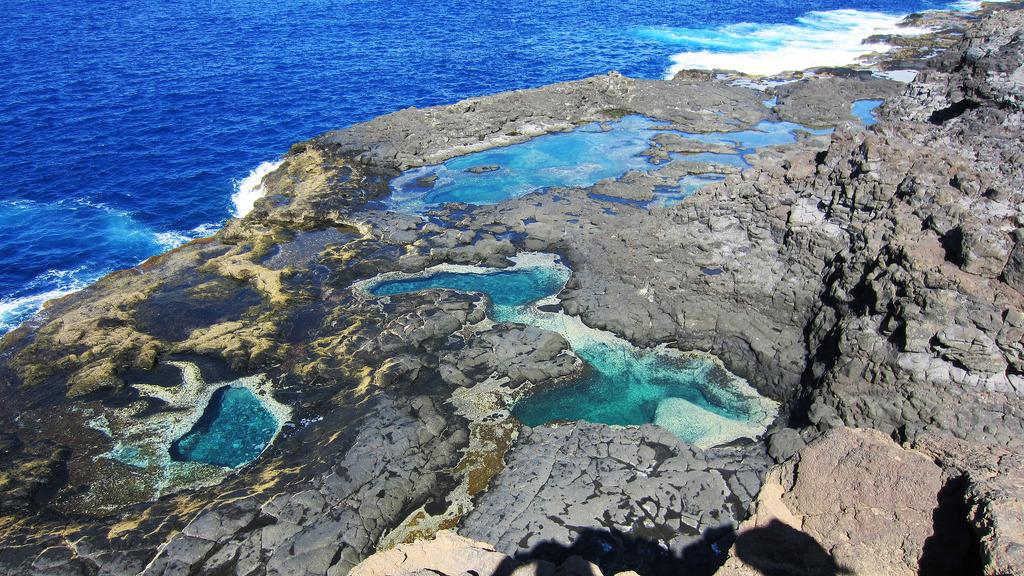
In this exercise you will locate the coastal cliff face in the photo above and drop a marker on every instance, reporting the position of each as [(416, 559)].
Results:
[(869, 280)]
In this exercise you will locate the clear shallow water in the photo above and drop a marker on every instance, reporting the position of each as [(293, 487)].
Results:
[(304, 247), (764, 134), (127, 125), (577, 158), (669, 195), (508, 290), (690, 395), (233, 430), (688, 185), (580, 157), (864, 110)]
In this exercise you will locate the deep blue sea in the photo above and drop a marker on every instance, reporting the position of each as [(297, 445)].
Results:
[(128, 126)]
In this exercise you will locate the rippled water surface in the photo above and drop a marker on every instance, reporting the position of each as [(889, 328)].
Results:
[(577, 158), (864, 110), (126, 124), (690, 395), (233, 430)]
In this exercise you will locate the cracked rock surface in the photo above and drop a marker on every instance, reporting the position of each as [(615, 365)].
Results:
[(870, 278)]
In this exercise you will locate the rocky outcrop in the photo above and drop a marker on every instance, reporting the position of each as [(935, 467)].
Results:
[(869, 278), (824, 101), (393, 461), (448, 554), (851, 502), (559, 482)]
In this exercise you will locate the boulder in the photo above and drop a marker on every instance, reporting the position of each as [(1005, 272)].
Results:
[(851, 502), (447, 553), (1013, 272), (983, 251)]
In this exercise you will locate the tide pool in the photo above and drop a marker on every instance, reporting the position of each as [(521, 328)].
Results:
[(233, 430), (687, 186), (507, 290), (690, 394), (578, 158), (193, 427), (128, 126), (764, 134), (864, 110)]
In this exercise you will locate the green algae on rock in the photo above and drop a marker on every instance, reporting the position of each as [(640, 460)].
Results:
[(690, 394), (147, 443)]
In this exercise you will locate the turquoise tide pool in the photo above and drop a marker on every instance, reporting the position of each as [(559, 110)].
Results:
[(233, 430), (578, 158), (691, 395), (507, 290)]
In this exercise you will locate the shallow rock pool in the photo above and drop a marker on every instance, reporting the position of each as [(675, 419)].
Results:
[(233, 430), (578, 158), (690, 394), (864, 110)]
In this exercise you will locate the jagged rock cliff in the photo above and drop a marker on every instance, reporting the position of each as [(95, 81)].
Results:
[(868, 278)]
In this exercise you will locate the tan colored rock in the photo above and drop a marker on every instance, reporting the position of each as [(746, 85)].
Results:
[(994, 480), (449, 554), (578, 566), (852, 502)]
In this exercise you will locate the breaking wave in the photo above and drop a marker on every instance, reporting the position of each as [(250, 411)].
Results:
[(825, 38), (249, 189)]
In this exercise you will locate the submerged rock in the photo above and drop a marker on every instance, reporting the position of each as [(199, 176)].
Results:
[(860, 277)]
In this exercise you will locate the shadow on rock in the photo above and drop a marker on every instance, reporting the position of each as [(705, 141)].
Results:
[(775, 549), (778, 549), (952, 549)]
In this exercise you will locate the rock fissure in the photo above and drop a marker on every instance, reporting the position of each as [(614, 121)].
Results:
[(869, 279)]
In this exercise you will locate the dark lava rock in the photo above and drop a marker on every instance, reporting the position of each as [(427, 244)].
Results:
[(869, 278)]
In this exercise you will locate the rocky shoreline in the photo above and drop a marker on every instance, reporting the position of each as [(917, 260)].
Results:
[(868, 279)]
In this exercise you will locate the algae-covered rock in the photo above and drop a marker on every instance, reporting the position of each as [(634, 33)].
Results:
[(863, 277)]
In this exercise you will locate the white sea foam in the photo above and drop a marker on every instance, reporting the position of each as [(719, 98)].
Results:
[(761, 84), (16, 309), (972, 5), (249, 189), (174, 238), (59, 283), (828, 38)]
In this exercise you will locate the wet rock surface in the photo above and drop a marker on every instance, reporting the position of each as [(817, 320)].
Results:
[(820, 101), (868, 278)]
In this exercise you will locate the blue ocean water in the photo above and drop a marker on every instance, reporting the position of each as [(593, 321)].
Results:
[(127, 125)]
